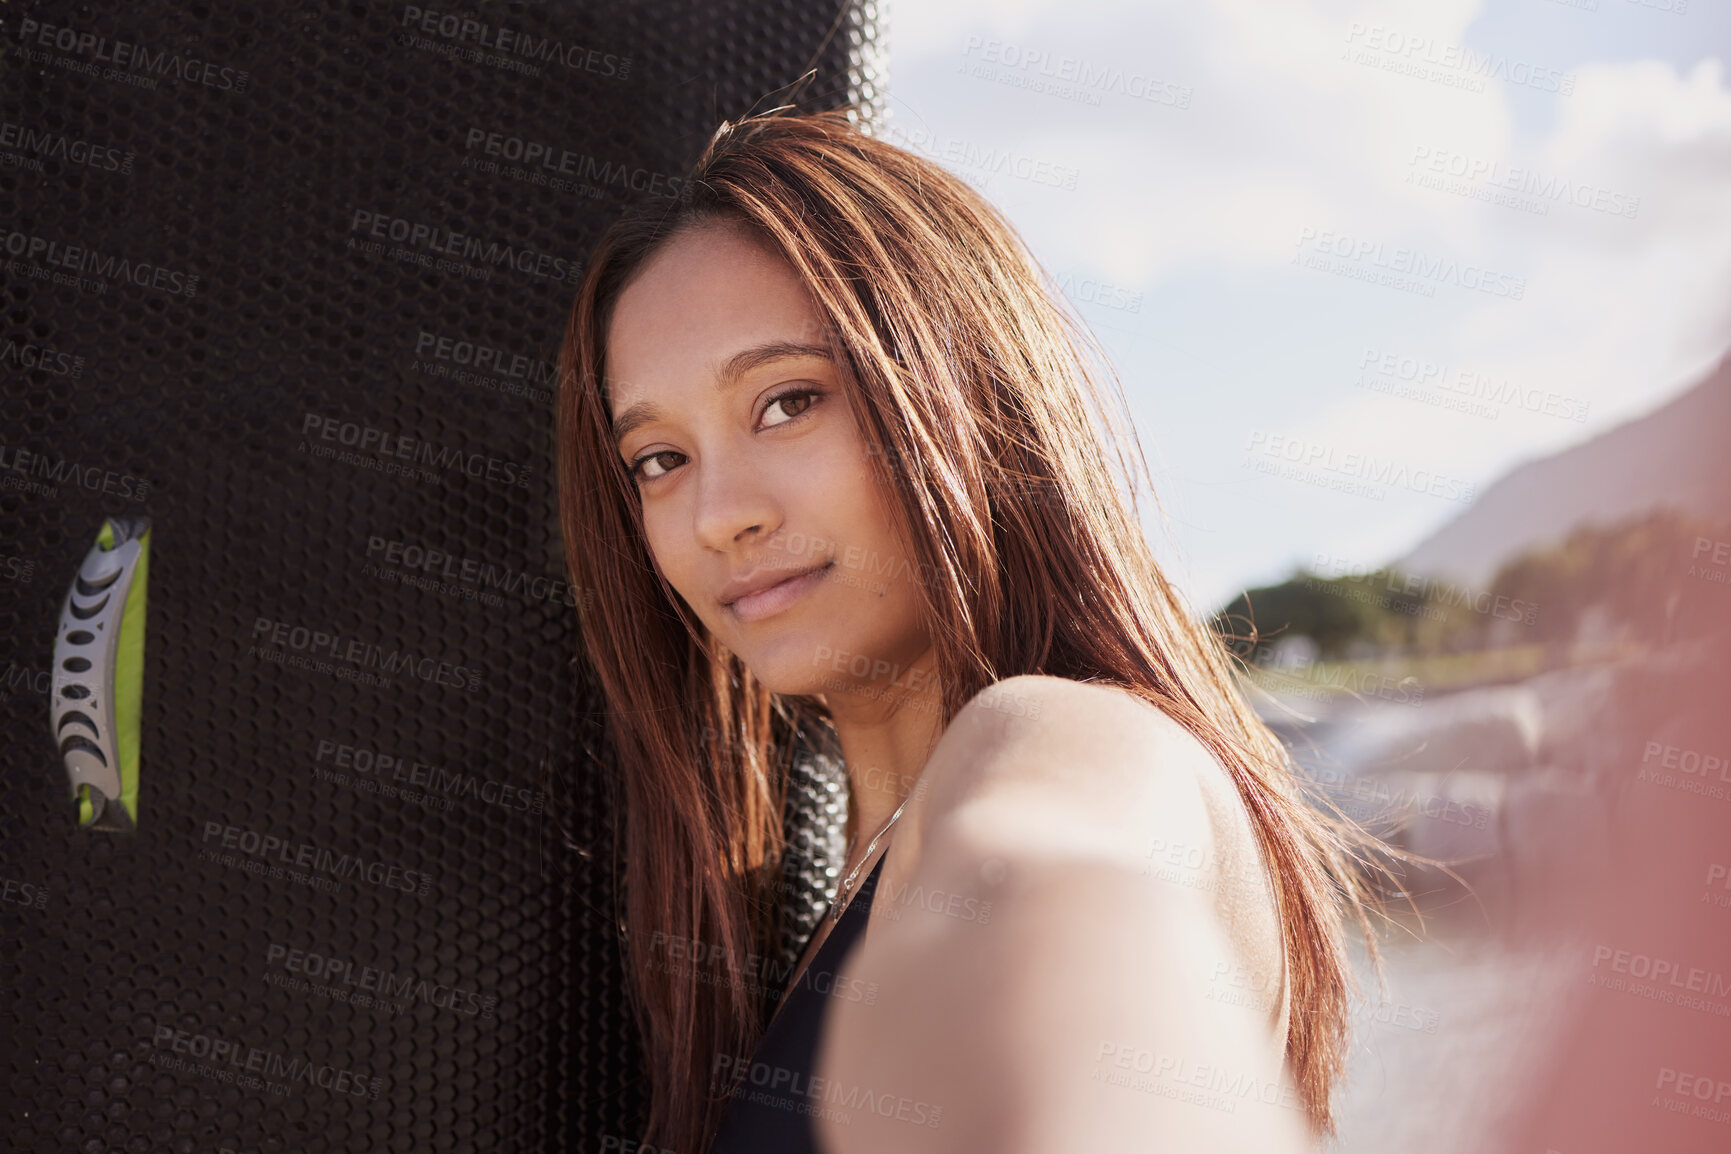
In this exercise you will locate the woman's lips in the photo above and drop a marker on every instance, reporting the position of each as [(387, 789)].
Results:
[(767, 602)]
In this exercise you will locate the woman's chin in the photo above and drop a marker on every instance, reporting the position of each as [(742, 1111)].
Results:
[(793, 663)]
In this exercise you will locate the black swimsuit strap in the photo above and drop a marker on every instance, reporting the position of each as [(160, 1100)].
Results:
[(842, 937), (768, 1112)]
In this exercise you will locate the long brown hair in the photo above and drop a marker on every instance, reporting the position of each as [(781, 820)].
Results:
[(979, 399)]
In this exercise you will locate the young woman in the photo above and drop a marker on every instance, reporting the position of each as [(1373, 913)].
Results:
[(834, 462)]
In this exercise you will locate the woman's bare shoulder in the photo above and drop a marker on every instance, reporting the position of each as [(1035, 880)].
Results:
[(1081, 758), (1023, 951)]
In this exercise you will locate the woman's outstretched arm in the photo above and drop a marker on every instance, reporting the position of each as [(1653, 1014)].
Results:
[(1082, 1008)]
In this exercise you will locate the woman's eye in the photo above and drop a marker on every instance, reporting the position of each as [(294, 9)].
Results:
[(648, 459), (793, 403)]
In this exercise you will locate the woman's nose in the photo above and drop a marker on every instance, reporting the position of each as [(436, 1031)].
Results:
[(735, 504)]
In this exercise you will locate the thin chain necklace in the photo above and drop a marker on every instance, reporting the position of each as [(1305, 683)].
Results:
[(844, 894)]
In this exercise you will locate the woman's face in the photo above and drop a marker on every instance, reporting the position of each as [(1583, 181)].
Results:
[(752, 470)]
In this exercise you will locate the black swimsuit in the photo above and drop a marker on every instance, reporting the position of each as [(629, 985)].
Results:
[(769, 1112)]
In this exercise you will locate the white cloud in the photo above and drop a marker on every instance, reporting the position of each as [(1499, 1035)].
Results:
[(1283, 134)]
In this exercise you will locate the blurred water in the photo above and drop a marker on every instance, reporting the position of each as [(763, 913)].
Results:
[(1440, 1064), (1490, 1036)]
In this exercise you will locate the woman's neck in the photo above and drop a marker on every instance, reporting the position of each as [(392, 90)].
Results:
[(887, 731)]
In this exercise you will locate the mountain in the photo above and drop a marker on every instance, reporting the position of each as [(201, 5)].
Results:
[(1678, 455)]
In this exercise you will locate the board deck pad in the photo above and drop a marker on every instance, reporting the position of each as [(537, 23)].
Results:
[(289, 279)]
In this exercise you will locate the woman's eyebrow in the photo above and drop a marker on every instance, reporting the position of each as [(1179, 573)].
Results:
[(726, 377)]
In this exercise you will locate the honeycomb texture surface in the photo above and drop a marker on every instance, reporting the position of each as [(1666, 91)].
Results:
[(369, 906)]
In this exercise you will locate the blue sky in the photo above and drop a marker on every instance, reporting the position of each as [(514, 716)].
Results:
[(1352, 261)]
